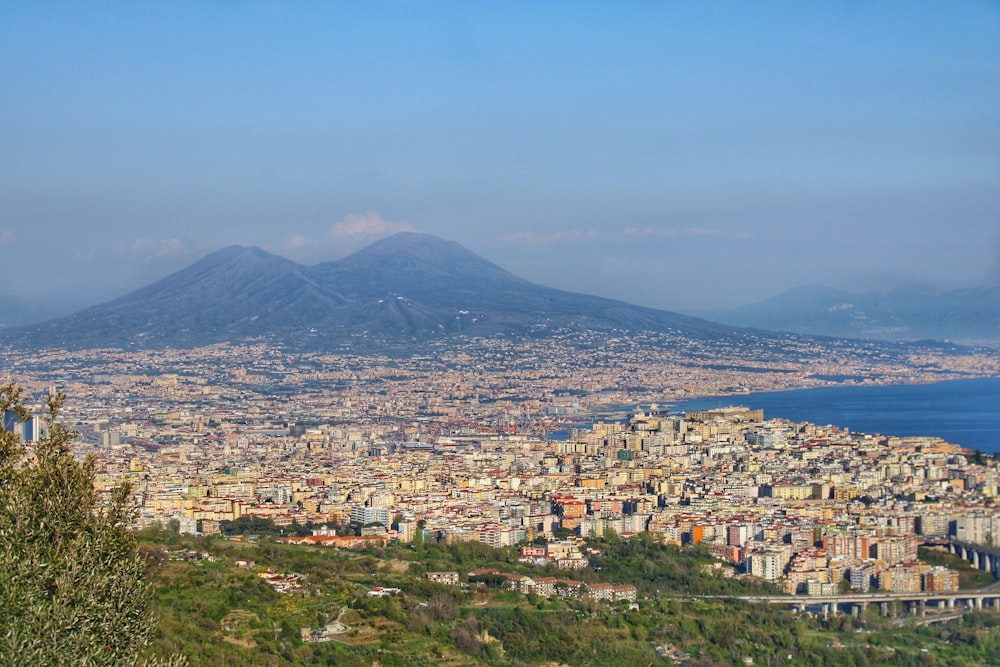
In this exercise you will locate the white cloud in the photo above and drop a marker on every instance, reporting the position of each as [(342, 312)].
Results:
[(369, 224), (296, 241), (690, 232), (351, 233), (7, 236), (567, 236)]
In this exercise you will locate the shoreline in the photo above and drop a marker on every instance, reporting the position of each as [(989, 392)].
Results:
[(954, 409)]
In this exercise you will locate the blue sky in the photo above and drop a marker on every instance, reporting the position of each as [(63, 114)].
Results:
[(683, 155)]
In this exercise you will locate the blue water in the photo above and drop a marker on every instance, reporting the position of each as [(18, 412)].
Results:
[(963, 412)]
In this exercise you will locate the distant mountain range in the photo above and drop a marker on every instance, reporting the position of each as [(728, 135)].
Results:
[(913, 313), (414, 288), (408, 288)]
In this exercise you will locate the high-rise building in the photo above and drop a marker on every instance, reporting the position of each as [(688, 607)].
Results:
[(29, 430)]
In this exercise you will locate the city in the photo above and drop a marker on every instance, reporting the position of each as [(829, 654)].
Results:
[(394, 334), (521, 449)]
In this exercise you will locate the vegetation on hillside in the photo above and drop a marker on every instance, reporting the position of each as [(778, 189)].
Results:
[(76, 588), (73, 590), (216, 613)]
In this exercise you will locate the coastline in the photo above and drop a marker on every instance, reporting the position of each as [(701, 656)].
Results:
[(961, 411)]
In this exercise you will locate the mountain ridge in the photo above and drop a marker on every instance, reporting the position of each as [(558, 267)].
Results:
[(407, 288), (913, 312)]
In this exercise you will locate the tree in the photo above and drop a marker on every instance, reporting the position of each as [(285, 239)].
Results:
[(72, 586)]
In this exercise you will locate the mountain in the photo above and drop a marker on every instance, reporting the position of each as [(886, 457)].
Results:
[(405, 289), (910, 313), (233, 294)]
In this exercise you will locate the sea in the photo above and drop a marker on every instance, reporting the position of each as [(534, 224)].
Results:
[(963, 412)]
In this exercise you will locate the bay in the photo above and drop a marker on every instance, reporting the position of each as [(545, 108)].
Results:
[(963, 412)]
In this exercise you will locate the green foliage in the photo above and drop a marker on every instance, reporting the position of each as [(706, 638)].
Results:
[(968, 576), (249, 525), (559, 636), (72, 587), (218, 614), (655, 568), (489, 580)]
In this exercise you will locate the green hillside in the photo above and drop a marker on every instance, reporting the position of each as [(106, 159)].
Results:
[(216, 608)]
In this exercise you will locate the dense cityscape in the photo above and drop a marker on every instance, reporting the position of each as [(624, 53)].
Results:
[(504, 443), (396, 334)]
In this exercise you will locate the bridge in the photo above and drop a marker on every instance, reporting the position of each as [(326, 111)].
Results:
[(889, 603), (985, 558)]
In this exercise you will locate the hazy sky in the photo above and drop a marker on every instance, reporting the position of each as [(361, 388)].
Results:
[(678, 154)]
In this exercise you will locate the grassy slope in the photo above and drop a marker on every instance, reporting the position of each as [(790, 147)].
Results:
[(218, 614)]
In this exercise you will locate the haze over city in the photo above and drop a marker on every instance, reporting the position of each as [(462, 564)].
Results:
[(681, 156)]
